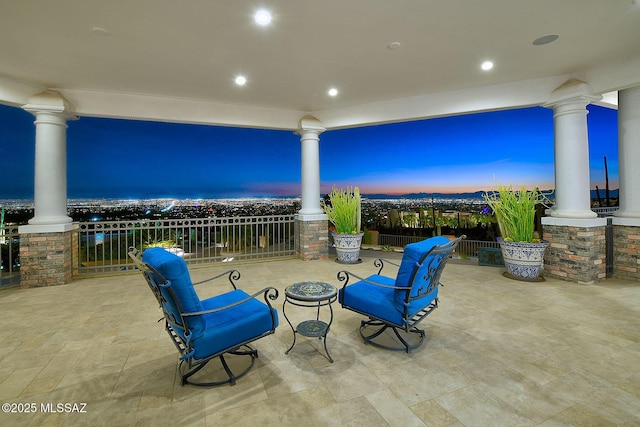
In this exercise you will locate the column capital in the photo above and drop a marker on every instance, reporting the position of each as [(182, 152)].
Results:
[(52, 102), (309, 124), (570, 92)]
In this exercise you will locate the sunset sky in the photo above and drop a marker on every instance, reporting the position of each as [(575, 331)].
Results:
[(134, 159)]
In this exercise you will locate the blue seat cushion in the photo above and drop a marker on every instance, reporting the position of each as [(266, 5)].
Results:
[(413, 254), (234, 326), (174, 269), (376, 301)]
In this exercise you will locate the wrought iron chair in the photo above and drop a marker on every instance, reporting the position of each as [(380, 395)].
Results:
[(399, 304), (203, 330)]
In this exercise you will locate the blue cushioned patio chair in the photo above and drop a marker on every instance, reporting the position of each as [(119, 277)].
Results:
[(204, 330), (399, 304)]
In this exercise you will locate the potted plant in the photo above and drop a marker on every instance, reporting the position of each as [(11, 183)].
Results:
[(522, 248), (344, 212)]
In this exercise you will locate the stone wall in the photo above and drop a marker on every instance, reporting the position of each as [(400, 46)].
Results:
[(576, 254), (626, 252), (311, 239), (46, 259)]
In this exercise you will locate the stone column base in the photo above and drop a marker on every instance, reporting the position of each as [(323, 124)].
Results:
[(47, 259), (311, 239), (626, 252), (577, 249)]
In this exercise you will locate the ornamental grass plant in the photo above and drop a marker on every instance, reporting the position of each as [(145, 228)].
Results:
[(515, 211), (344, 210)]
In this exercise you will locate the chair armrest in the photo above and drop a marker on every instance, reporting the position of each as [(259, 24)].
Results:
[(344, 276), (135, 254), (232, 275), (380, 262), (269, 293)]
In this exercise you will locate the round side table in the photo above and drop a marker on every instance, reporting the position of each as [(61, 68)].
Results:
[(313, 295)]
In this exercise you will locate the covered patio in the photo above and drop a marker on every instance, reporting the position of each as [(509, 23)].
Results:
[(315, 67), (498, 352)]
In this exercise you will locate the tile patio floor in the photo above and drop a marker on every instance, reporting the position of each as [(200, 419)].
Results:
[(498, 352)]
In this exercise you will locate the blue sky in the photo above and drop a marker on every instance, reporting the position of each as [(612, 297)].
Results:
[(127, 158)]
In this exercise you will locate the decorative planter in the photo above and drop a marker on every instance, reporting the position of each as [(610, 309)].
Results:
[(524, 261), (347, 247)]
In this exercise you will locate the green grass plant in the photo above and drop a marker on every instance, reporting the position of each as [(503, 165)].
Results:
[(515, 211), (344, 210)]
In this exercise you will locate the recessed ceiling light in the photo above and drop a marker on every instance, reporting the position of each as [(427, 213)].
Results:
[(241, 80), (486, 65), (262, 17), (333, 91), (545, 39)]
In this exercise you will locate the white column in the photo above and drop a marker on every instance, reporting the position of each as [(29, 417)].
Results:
[(50, 188), (571, 142), (309, 130), (629, 156)]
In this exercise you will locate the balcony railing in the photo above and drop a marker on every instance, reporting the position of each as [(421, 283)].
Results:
[(465, 249), (471, 248), (606, 211), (9, 255), (103, 246)]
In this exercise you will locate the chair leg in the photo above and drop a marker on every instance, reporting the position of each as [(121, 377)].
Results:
[(365, 323), (253, 354), (406, 345)]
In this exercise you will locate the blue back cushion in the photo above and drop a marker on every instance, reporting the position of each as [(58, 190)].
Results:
[(413, 253), (174, 269)]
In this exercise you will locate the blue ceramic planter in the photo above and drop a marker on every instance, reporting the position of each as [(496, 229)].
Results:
[(523, 260), (347, 247)]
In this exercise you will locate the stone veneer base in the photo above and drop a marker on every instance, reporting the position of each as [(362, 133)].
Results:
[(311, 239), (576, 254), (626, 252), (46, 259)]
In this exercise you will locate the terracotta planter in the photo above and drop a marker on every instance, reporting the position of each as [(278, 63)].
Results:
[(524, 261), (347, 247)]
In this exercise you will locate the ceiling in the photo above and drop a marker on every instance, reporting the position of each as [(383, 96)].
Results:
[(177, 59)]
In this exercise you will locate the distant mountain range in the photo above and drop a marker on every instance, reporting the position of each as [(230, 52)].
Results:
[(472, 195)]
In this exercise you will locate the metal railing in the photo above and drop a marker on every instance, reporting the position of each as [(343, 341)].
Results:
[(470, 248), (9, 255), (103, 246), (396, 240), (606, 211), (608, 235), (466, 248)]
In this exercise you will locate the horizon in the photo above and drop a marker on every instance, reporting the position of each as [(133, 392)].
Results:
[(369, 196), (129, 159)]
